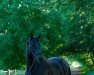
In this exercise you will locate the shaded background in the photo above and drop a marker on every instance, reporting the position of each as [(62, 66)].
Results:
[(67, 28)]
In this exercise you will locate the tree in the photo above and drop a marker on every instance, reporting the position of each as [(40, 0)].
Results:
[(66, 26)]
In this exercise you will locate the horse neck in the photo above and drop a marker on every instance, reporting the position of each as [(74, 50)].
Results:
[(36, 66), (30, 59)]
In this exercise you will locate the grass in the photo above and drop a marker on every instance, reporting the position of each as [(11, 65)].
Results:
[(19, 72), (89, 73), (22, 72)]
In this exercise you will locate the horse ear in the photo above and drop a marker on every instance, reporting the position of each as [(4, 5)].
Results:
[(39, 36), (31, 35)]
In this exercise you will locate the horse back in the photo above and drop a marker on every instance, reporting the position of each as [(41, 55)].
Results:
[(57, 64)]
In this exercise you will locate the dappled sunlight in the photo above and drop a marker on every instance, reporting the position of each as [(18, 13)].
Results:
[(75, 64), (66, 28)]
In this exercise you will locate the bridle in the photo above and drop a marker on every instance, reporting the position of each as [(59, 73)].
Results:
[(35, 58)]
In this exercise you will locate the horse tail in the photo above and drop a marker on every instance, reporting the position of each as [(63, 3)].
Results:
[(65, 67), (69, 71)]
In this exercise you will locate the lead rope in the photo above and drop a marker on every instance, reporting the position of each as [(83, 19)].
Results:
[(30, 67), (33, 61), (32, 64)]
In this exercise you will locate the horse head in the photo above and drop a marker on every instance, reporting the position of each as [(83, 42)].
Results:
[(33, 46)]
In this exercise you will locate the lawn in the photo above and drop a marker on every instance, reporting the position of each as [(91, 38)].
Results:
[(90, 73), (19, 72)]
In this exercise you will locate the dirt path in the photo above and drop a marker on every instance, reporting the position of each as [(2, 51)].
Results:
[(76, 71)]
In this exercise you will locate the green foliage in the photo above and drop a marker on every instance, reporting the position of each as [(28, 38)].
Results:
[(66, 26)]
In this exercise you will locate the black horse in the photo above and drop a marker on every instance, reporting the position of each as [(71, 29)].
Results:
[(37, 65)]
